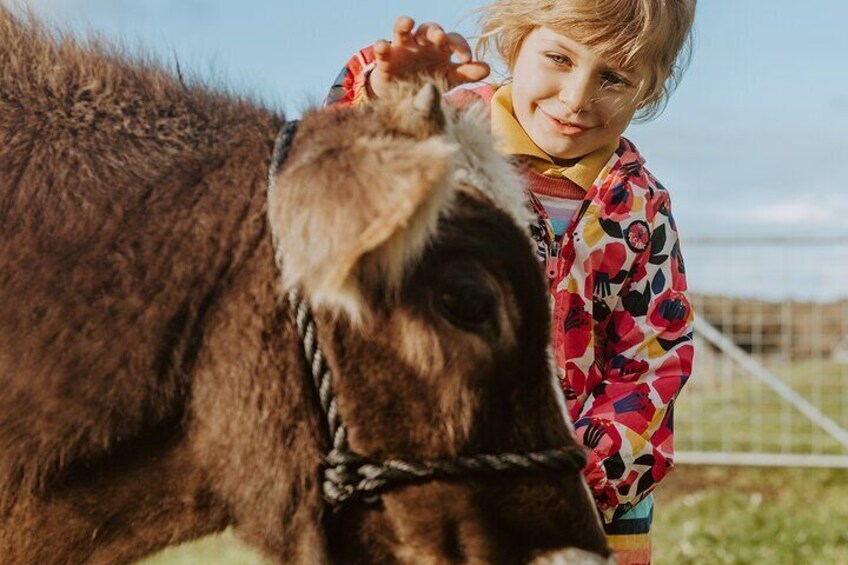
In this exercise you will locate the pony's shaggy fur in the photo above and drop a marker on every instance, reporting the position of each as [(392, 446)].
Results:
[(151, 385), (119, 168)]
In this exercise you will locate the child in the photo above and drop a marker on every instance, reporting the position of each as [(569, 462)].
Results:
[(580, 71)]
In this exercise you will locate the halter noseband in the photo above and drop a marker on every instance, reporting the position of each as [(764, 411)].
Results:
[(349, 476)]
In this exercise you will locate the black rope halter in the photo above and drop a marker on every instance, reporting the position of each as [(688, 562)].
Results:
[(349, 476)]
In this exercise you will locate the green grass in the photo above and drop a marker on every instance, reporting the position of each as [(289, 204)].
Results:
[(732, 515), (223, 549)]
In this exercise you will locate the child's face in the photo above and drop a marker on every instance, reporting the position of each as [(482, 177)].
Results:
[(567, 98)]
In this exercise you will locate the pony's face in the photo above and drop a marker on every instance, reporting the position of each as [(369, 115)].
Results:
[(408, 234)]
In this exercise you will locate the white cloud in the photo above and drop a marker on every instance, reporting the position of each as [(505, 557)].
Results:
[(800, 210), (792, 212)]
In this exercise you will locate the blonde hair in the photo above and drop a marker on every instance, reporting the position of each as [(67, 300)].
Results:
[(652, 35)]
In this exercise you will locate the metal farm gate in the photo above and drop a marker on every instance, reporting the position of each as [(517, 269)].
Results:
[(770, 383)]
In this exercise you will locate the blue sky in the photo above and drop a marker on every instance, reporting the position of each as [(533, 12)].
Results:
[(751, 143)]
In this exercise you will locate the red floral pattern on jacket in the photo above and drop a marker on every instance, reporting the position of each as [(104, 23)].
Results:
[(622, 321), (621, 267)]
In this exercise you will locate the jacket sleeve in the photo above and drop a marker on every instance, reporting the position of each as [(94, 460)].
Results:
[(349, 88), (645, 354)]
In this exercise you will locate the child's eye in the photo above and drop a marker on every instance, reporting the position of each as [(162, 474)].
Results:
[(560, 60), (612, 79)]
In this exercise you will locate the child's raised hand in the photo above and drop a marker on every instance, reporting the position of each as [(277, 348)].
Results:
[(429, 50)]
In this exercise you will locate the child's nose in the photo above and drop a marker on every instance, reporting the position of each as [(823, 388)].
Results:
[(577, 92)]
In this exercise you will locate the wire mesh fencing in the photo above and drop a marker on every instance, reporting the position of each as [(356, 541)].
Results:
[(770, 382)]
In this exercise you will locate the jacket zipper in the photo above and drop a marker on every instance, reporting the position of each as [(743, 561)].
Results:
[(552, 254)]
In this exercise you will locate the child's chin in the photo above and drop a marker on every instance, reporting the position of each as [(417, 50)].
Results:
[(563, 151)]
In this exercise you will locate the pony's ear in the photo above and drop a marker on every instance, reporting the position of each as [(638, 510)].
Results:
[(428, 102), (416, 108), (353, 211)]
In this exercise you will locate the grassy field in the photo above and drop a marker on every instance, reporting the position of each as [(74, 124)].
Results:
[(704, 515), (733, 515), (223, 549)]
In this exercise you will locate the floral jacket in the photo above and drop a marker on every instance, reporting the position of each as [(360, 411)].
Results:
[(622, 321)]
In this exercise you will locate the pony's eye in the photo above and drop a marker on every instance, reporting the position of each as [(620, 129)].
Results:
[(466, 304)]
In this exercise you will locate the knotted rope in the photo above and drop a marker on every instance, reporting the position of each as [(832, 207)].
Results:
[(349, 476)]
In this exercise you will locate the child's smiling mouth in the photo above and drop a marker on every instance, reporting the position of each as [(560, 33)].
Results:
[(564, 127)]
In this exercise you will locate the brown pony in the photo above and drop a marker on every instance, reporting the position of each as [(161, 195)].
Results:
[(153, 387)]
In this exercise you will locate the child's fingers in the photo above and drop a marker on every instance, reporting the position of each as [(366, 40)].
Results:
[(401, 31), (383, 54), (459, 47), (430, 33)]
